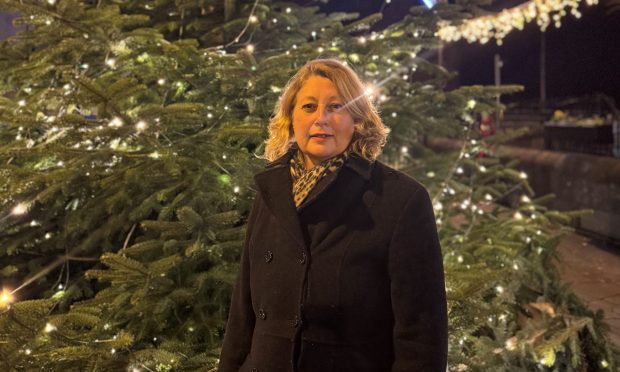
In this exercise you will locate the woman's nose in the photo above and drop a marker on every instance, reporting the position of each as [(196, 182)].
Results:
[(322, 115)]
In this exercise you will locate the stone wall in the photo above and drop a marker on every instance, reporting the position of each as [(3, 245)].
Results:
[(579, 181)]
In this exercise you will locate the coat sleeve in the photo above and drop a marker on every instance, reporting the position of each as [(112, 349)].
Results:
[(241, 317), (417, 287)]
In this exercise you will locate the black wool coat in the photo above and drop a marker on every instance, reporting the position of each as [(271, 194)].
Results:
[(352, 281)]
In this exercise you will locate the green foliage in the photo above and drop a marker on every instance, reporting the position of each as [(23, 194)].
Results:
[(128, 133)]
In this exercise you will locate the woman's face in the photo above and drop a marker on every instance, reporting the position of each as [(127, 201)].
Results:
[(322, 127)]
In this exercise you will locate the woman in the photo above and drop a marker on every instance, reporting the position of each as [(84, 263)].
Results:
[(342, 268)]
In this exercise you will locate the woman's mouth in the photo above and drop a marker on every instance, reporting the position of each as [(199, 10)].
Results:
[(320, 135)]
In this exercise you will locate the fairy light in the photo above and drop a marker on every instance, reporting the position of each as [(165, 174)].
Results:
[(28, 351), (21, 103), (116, 122), (161, 81), (253, 19), (19, 209), (6, 298), (518, 215), (250, 48), (49, 327), (523, 175), (51, 2), (141, 125), (288, 10), (525, 199), (111, 62), (497, 26)]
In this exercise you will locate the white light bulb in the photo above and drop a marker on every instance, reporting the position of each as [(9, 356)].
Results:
[(28, 351), (22, 103), (523, 175), (394, 114), (20, 209), (116, 122), (250, 48), (110, 62), (161, 81), (288, 10), (141, 125), (253, 19), (236, 189), (499, 289), (459, 170), (49, 328)]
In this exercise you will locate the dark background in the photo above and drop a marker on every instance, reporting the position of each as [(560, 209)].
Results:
[(582, 56)]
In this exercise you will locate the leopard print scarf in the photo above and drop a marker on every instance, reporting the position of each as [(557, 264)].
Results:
[(304, 180)]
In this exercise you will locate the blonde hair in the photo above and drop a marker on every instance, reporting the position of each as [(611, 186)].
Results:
[(369, 134)]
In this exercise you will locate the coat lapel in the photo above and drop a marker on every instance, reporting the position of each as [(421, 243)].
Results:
[(275, 186)]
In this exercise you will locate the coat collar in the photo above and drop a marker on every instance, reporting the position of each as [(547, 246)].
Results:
[(360, 165), (275, 185)]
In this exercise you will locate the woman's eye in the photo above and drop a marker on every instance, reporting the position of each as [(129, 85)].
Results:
[(336, 106), (308, 106)]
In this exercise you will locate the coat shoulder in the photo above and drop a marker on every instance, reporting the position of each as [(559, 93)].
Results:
[(396, 184)]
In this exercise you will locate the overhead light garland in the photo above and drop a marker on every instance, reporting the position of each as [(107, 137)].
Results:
[(497, 26)]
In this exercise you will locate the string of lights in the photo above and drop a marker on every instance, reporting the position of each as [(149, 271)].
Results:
[(497, 26)]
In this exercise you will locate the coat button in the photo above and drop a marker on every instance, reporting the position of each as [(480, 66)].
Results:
[(262, 314), (302, 260), (268, 256), (295, 322)]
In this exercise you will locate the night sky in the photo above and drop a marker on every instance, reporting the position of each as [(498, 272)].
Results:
[(582, 56)]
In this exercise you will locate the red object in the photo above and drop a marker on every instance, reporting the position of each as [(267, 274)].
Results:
[(487, 125)]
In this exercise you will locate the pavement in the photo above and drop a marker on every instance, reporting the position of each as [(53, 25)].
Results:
[(592, 268)]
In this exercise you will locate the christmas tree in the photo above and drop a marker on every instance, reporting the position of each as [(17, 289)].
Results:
[(129, 133)]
